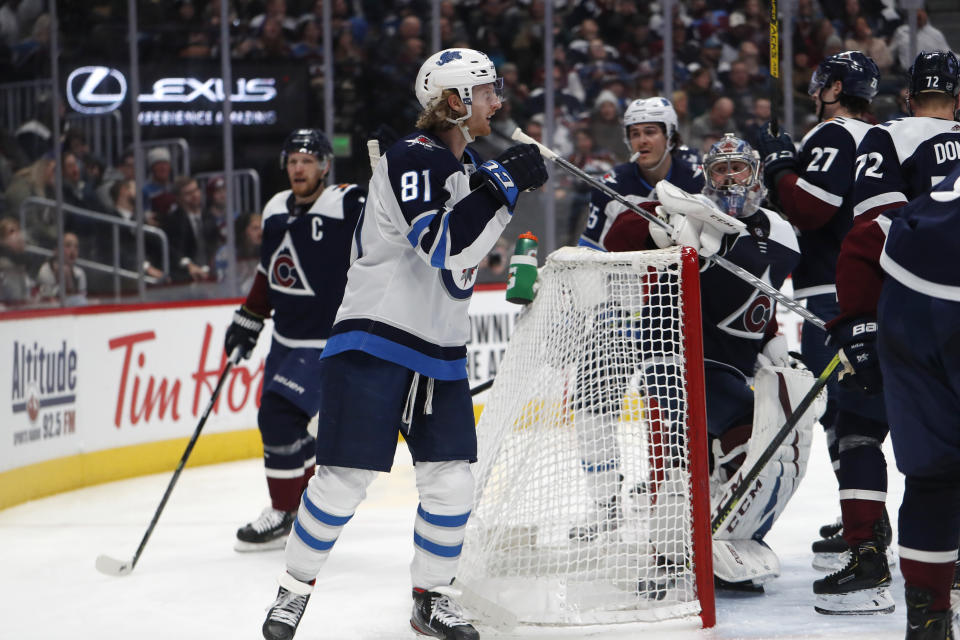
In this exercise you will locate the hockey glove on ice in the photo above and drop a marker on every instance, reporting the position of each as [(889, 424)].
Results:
[(856, 341), (519, 168), (243, 333), (778, 153)]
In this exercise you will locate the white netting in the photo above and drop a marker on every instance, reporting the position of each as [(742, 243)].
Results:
[(582, 511)]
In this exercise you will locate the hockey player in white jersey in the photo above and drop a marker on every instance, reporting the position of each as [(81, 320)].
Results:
[(396, 358), (813, 187), (307, 235)]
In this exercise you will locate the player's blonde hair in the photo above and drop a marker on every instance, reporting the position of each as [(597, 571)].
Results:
[(434, 117)]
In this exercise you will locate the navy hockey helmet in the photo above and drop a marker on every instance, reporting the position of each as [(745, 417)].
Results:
[(310, 141), (935, 71), (857, 71)]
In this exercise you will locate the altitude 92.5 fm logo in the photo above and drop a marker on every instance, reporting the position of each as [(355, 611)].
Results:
[(43, 387)]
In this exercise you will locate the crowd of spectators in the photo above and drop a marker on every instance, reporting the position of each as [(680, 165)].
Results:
[(607, 53)]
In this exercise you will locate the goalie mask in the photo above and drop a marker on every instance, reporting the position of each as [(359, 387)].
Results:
[(459, 69), (734, 181)]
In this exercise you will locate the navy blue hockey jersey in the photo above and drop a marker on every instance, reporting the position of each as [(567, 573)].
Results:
[(897, 161), (922, 239), (817, 201), (627, 180), (304, 257)]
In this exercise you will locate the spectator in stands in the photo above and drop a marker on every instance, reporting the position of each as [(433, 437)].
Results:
[(277, 11), (124, 170), (700, 92), (74, 189), (606, 129), (159, 180), (74, 278), (35, 180), (681, 104), (760, 115), (598, 68), (35, 136), (269, 43), (122, 194), (16, 285), (30, 58), (714, 123), (929, 38), (740, 91), (248, 233), (593, 161), (193, 236), (216, 199), (862, 39), (646, 82)]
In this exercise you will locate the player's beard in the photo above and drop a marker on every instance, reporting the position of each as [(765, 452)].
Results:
[(308, 190)]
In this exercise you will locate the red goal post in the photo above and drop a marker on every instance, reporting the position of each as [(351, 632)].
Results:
[(593, 500)]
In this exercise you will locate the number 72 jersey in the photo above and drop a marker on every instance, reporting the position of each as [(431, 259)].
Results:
[(902, 159)]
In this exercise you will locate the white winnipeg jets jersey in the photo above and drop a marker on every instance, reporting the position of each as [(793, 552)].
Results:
[(420, 238)]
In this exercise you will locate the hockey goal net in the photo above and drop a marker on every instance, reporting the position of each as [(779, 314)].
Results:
[(592, 502)]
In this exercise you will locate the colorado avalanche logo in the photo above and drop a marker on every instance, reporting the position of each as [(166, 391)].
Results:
[(751, 318), (448, 56), (459, 285), (285, 272)]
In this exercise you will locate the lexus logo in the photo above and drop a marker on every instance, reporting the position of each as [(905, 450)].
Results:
[(96, 89)]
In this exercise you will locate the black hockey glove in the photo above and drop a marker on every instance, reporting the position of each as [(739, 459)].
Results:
[(778, 153), (519, 168), (243, 332), (856, 341)]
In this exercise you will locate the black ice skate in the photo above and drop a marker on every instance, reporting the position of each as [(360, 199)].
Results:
[(436, 614), (862, 587), (607, 517), (831, 552), (269, 531), (923, 624), (283, 616)]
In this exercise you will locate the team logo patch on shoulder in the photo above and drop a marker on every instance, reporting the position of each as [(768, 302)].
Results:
[(285, 272), (609, 178), (423, 141)]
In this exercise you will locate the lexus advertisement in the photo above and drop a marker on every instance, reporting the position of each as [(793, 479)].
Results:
[(177, 100)]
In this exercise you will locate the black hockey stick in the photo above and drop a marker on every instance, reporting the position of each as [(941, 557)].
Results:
[(720, 261), (748, 479), (112, 566), (480, 388)]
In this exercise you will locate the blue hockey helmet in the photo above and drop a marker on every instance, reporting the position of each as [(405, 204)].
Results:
[(857, 71), (734, 179), (935, 71), (310, 141)]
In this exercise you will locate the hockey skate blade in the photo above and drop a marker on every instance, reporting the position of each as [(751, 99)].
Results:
[(830, 562), (253, 547), (865, 602), (113, 567)]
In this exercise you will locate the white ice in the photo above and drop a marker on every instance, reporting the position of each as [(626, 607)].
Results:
[(190, 584)]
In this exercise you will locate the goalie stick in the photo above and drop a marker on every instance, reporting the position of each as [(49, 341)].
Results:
[(748, 479), (114, 567), (720, 261)]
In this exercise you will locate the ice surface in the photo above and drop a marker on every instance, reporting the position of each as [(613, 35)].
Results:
[(190, 584)]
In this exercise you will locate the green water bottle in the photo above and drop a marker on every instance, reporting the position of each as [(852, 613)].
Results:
[(523, 269)]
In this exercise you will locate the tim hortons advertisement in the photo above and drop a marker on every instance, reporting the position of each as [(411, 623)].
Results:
[(94, 381)]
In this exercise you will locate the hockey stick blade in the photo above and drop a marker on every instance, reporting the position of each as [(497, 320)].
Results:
[(487, 611), (113, 567)]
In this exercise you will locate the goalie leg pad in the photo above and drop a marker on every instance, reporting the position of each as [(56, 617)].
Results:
[(736, 561), (777, 391)]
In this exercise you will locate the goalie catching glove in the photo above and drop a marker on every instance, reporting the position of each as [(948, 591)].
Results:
[(696, 222)]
